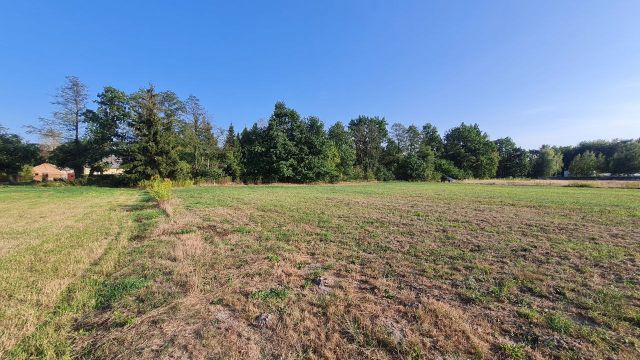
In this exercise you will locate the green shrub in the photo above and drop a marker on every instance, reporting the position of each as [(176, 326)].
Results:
[(159, 189), (26, 174)]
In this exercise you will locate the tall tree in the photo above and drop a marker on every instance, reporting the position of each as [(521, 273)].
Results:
[(431, 139), (514, 161), (282, 132), (586, 164), (399, 136), (369, 134), (345, 149), (626, 159), (15, 153), (198, 142), (152, 149), (548, 162), (414, 138), (71, 100), (232, 155), (314, 161), (106, 126), (68, 119), (471, 150), (254, 154)]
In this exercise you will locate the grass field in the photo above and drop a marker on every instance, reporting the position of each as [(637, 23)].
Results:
[(383, 270), (48, 238)]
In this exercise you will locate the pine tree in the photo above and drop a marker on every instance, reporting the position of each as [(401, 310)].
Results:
[(152, 149)]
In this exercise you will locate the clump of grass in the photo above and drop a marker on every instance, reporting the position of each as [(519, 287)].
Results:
[(159, 189), (503, 289), (633, 317), (276, 294), (388, 294), (121, 319), (274, 258), (560, 323), (513, 351), (112, 291), (242, 229), (528, 313)]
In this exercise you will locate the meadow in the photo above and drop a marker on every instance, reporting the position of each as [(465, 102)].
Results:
[(374, 270)]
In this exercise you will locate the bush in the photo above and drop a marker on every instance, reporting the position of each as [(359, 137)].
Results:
[(53, 184), (159, 189), (109, 180), (447, 168), (26, 174)]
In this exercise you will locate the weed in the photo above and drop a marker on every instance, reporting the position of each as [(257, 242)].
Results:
[(528, 313), (112, 291), (560, 323), (274, 258), (272, 294), (513, 351), (121, 319), (242, 229), (503, 289)]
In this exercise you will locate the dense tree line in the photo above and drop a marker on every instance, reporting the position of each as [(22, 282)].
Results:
[(155, 133)]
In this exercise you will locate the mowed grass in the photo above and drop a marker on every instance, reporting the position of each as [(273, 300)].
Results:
[(382, 270), (48, 239)]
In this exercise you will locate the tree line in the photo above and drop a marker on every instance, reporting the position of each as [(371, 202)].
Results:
[(155, 133)]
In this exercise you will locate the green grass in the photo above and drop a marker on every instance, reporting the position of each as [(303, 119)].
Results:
[(110, 292)]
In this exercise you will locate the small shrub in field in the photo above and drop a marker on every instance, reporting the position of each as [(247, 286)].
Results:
[(159, 189)]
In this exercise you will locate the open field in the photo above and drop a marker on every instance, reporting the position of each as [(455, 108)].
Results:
[(48, 238), (385, 270), (613, 184)]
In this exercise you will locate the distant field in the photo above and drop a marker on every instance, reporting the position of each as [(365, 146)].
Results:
[(383, 270), (48, 238), (614, 184)]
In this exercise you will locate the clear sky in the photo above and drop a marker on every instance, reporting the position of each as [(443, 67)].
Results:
[(542, 72)]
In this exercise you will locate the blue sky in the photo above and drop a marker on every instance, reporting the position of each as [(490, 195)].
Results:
[(542, 72)]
